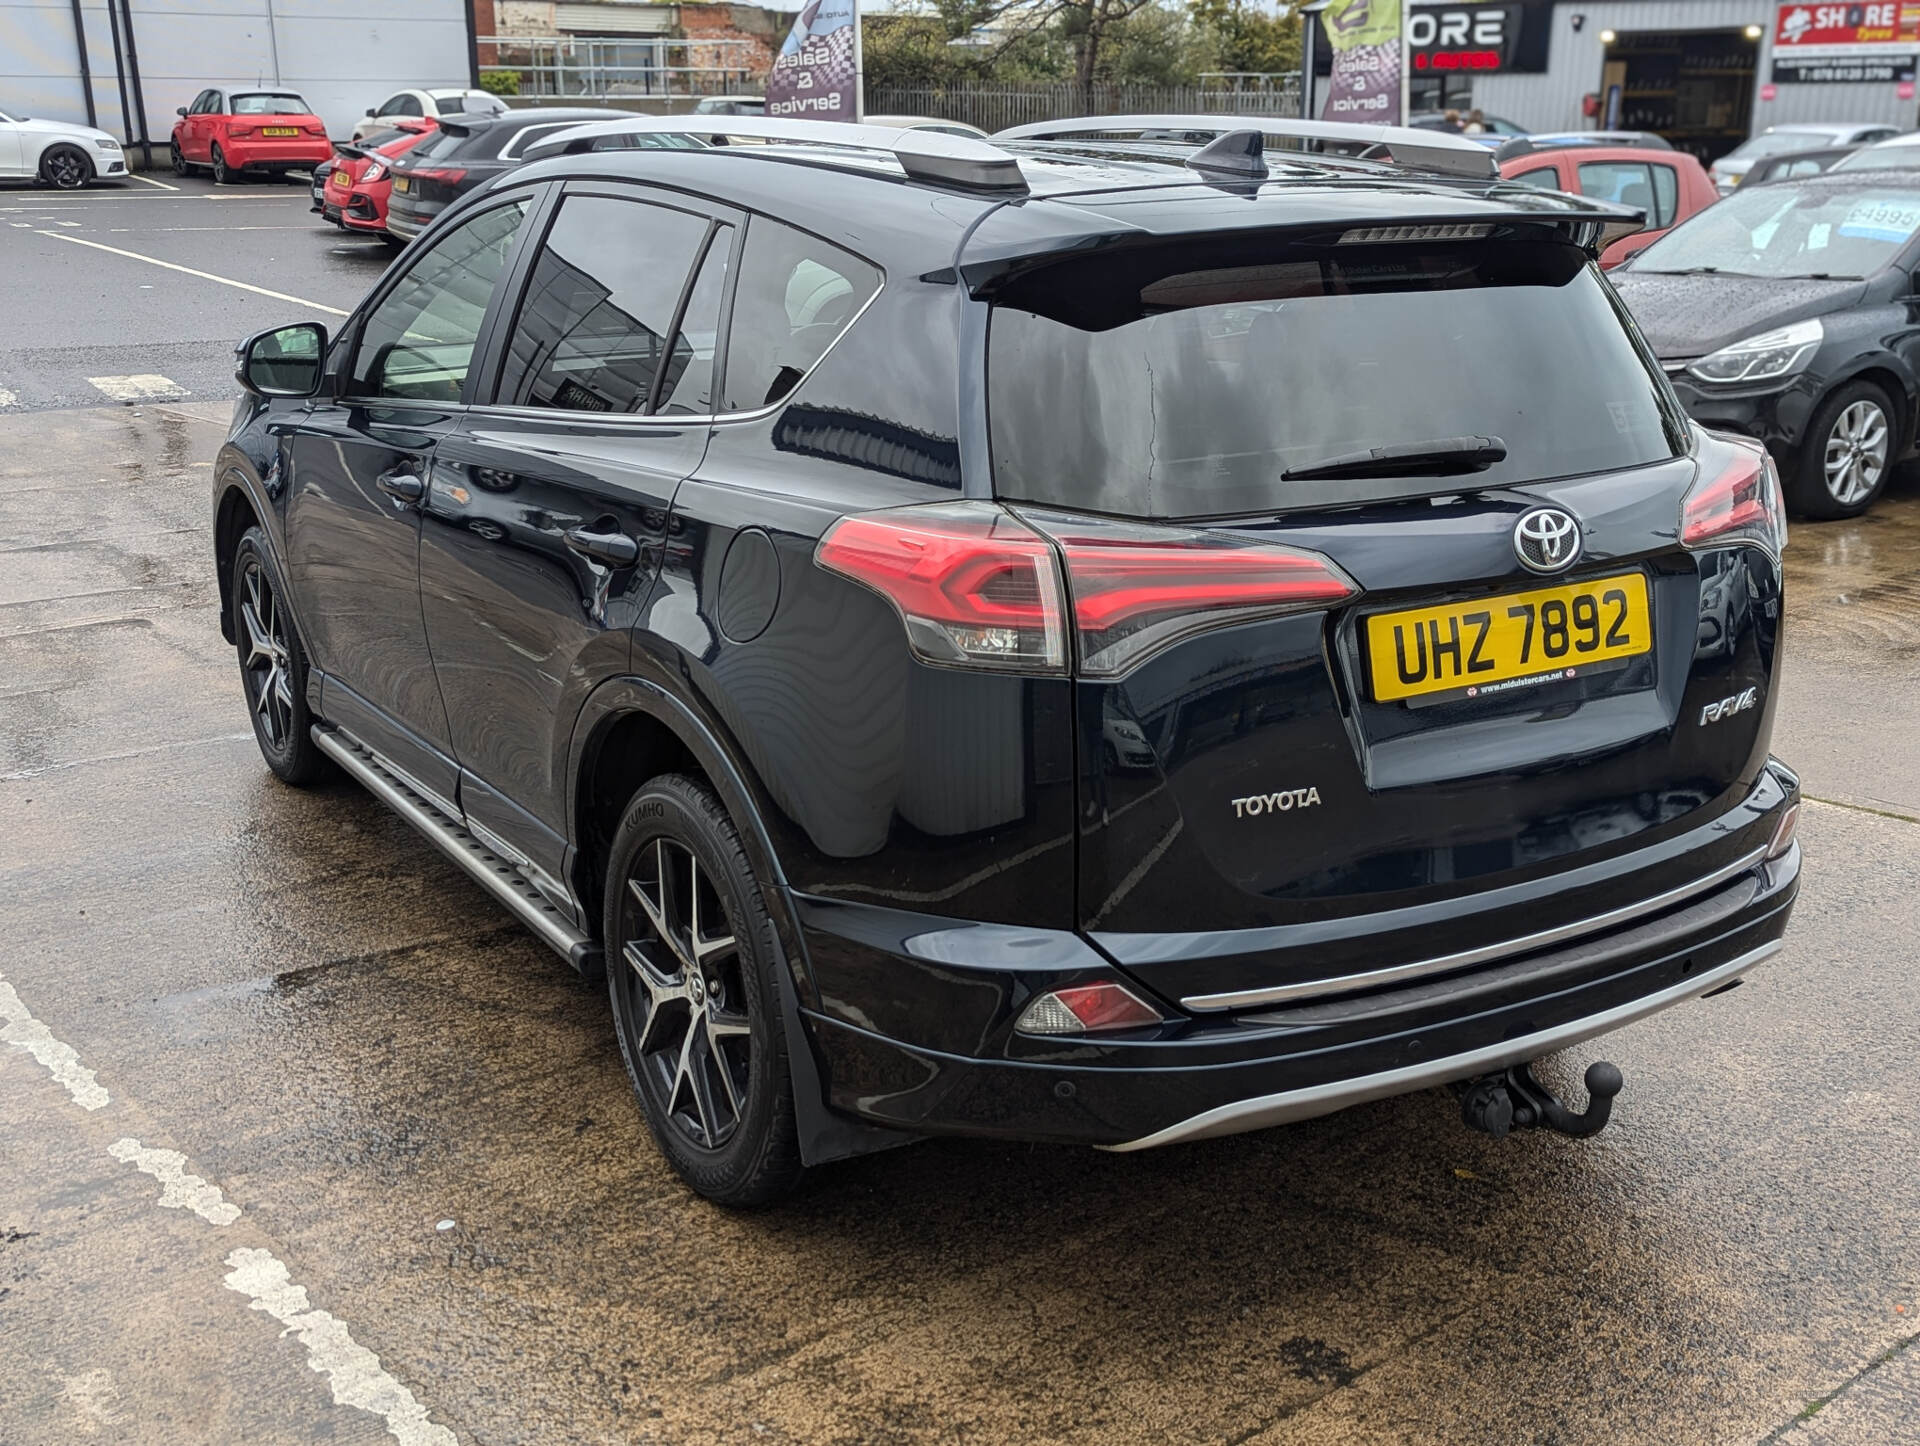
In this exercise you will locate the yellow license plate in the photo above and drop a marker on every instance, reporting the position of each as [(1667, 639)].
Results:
[(404, 183), (342, 180), (279, 130), (1508, 643)]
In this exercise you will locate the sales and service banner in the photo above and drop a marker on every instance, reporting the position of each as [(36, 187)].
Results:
[(1365, 37), (816, 76), (1833, 32)]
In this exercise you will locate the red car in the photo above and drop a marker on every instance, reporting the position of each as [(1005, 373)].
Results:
[(248, 132), (1668, 185), (361, 177)]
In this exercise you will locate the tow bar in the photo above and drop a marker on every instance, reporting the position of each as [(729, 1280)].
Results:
[(1497, 1104)]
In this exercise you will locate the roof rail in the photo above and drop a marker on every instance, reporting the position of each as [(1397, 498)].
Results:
[(1429, 150), (957, 161)]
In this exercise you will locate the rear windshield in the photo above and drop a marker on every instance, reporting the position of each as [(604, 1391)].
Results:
[(1184, 382), (440, 143), (283, 102)]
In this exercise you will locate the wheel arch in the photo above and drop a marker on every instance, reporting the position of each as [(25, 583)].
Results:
[(233, 514), (632, 729)]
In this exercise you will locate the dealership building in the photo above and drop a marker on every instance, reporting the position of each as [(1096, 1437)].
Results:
[(1702, 73)]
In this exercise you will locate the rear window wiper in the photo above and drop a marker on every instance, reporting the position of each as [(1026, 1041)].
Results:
[(1439, 457)]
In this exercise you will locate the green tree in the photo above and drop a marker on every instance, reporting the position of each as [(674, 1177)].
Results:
[(1244, 38)]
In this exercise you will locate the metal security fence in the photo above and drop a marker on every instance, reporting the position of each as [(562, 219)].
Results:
[(995, 107)]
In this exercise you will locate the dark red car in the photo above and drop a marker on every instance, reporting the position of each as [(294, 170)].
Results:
[(361, 177), (248, 132)]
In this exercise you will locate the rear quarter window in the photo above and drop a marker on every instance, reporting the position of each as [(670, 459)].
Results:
[(796, 295)]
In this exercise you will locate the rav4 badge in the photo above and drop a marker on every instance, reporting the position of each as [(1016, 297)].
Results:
[(1727, 707)]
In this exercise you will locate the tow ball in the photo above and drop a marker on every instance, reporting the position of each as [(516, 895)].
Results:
[(1497, 1104)]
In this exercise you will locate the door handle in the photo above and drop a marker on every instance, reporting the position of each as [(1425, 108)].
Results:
[(402, 483), (615, 549)]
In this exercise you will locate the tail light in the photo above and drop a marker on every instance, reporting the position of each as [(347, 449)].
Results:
[(375, 171), (979, 587), (1138, 589), (1087, 1009), (975, 586), (239, 130), (1737, 501), (448, 176)]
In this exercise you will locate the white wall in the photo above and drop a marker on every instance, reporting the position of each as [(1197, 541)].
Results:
[(342, 55)]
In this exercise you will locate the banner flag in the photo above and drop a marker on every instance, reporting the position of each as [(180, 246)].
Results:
[(1368, 55), (816, 76)]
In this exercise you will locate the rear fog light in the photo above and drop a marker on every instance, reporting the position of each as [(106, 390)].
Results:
[(1087, 1009)]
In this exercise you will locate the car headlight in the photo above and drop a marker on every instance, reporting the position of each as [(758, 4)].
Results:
[(106, 143), (1763, 358)]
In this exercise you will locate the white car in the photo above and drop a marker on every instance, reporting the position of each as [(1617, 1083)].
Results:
[(1902, 153), (432, 104), (927, 123), (63, 155), (1730, 169)]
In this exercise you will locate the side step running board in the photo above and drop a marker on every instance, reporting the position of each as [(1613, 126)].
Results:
[(489, 870)]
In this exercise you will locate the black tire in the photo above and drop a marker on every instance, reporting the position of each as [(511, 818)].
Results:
[(65, 168), (181, 167), (698, 1012), (222, 174), (273, 665), (1846, 420)]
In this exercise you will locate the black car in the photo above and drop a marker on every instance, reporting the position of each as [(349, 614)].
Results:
[(1040, 639), (1786, 313), (468, 152)]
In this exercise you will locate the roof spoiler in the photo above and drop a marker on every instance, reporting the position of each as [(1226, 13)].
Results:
[(1401, 145), (959, 162)]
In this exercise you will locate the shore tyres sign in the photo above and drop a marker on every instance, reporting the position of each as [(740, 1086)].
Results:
[(1835, 31)]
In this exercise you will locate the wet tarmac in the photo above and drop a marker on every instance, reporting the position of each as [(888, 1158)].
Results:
[(304, 1140)]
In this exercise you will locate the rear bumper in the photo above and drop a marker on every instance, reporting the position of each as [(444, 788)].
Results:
[(1222, 1074), (301, 154)]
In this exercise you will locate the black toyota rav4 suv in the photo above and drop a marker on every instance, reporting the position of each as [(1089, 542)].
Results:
[(1095, 639)]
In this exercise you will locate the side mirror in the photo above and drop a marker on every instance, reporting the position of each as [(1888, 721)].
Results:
[(370, 112), (179, 110), (284, 362)]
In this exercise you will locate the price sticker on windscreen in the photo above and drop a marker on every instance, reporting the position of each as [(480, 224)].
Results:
[(1882, 218)]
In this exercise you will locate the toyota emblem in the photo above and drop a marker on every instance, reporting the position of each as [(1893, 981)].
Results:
[(1547, 539)]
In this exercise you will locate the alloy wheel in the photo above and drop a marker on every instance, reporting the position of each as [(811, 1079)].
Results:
[(268, 671), (66, 170), (692, 1039), (1856, 452)]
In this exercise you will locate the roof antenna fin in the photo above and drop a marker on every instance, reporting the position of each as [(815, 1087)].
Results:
[(1240, 155)]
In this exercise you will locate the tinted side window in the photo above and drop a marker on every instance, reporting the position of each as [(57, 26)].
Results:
[(418, 342), (796, 294), (688, 389), (592, 332), (1666, 196), (532, 135)]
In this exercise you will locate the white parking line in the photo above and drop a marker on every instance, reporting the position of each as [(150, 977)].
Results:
[(178, 1189), (149, 180), (188, 270), (353, 1372), (23, 1031), (143, 387)]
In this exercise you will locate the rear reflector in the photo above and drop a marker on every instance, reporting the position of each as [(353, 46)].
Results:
[(1137, 589), (974, 585), (1737, 499), (1087, 1009), (1784, 830)]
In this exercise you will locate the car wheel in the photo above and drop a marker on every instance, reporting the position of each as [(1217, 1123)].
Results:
[(222, 175), (65, 168), (1847, 454), (180, 165), (273, 665), (691, 958)]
